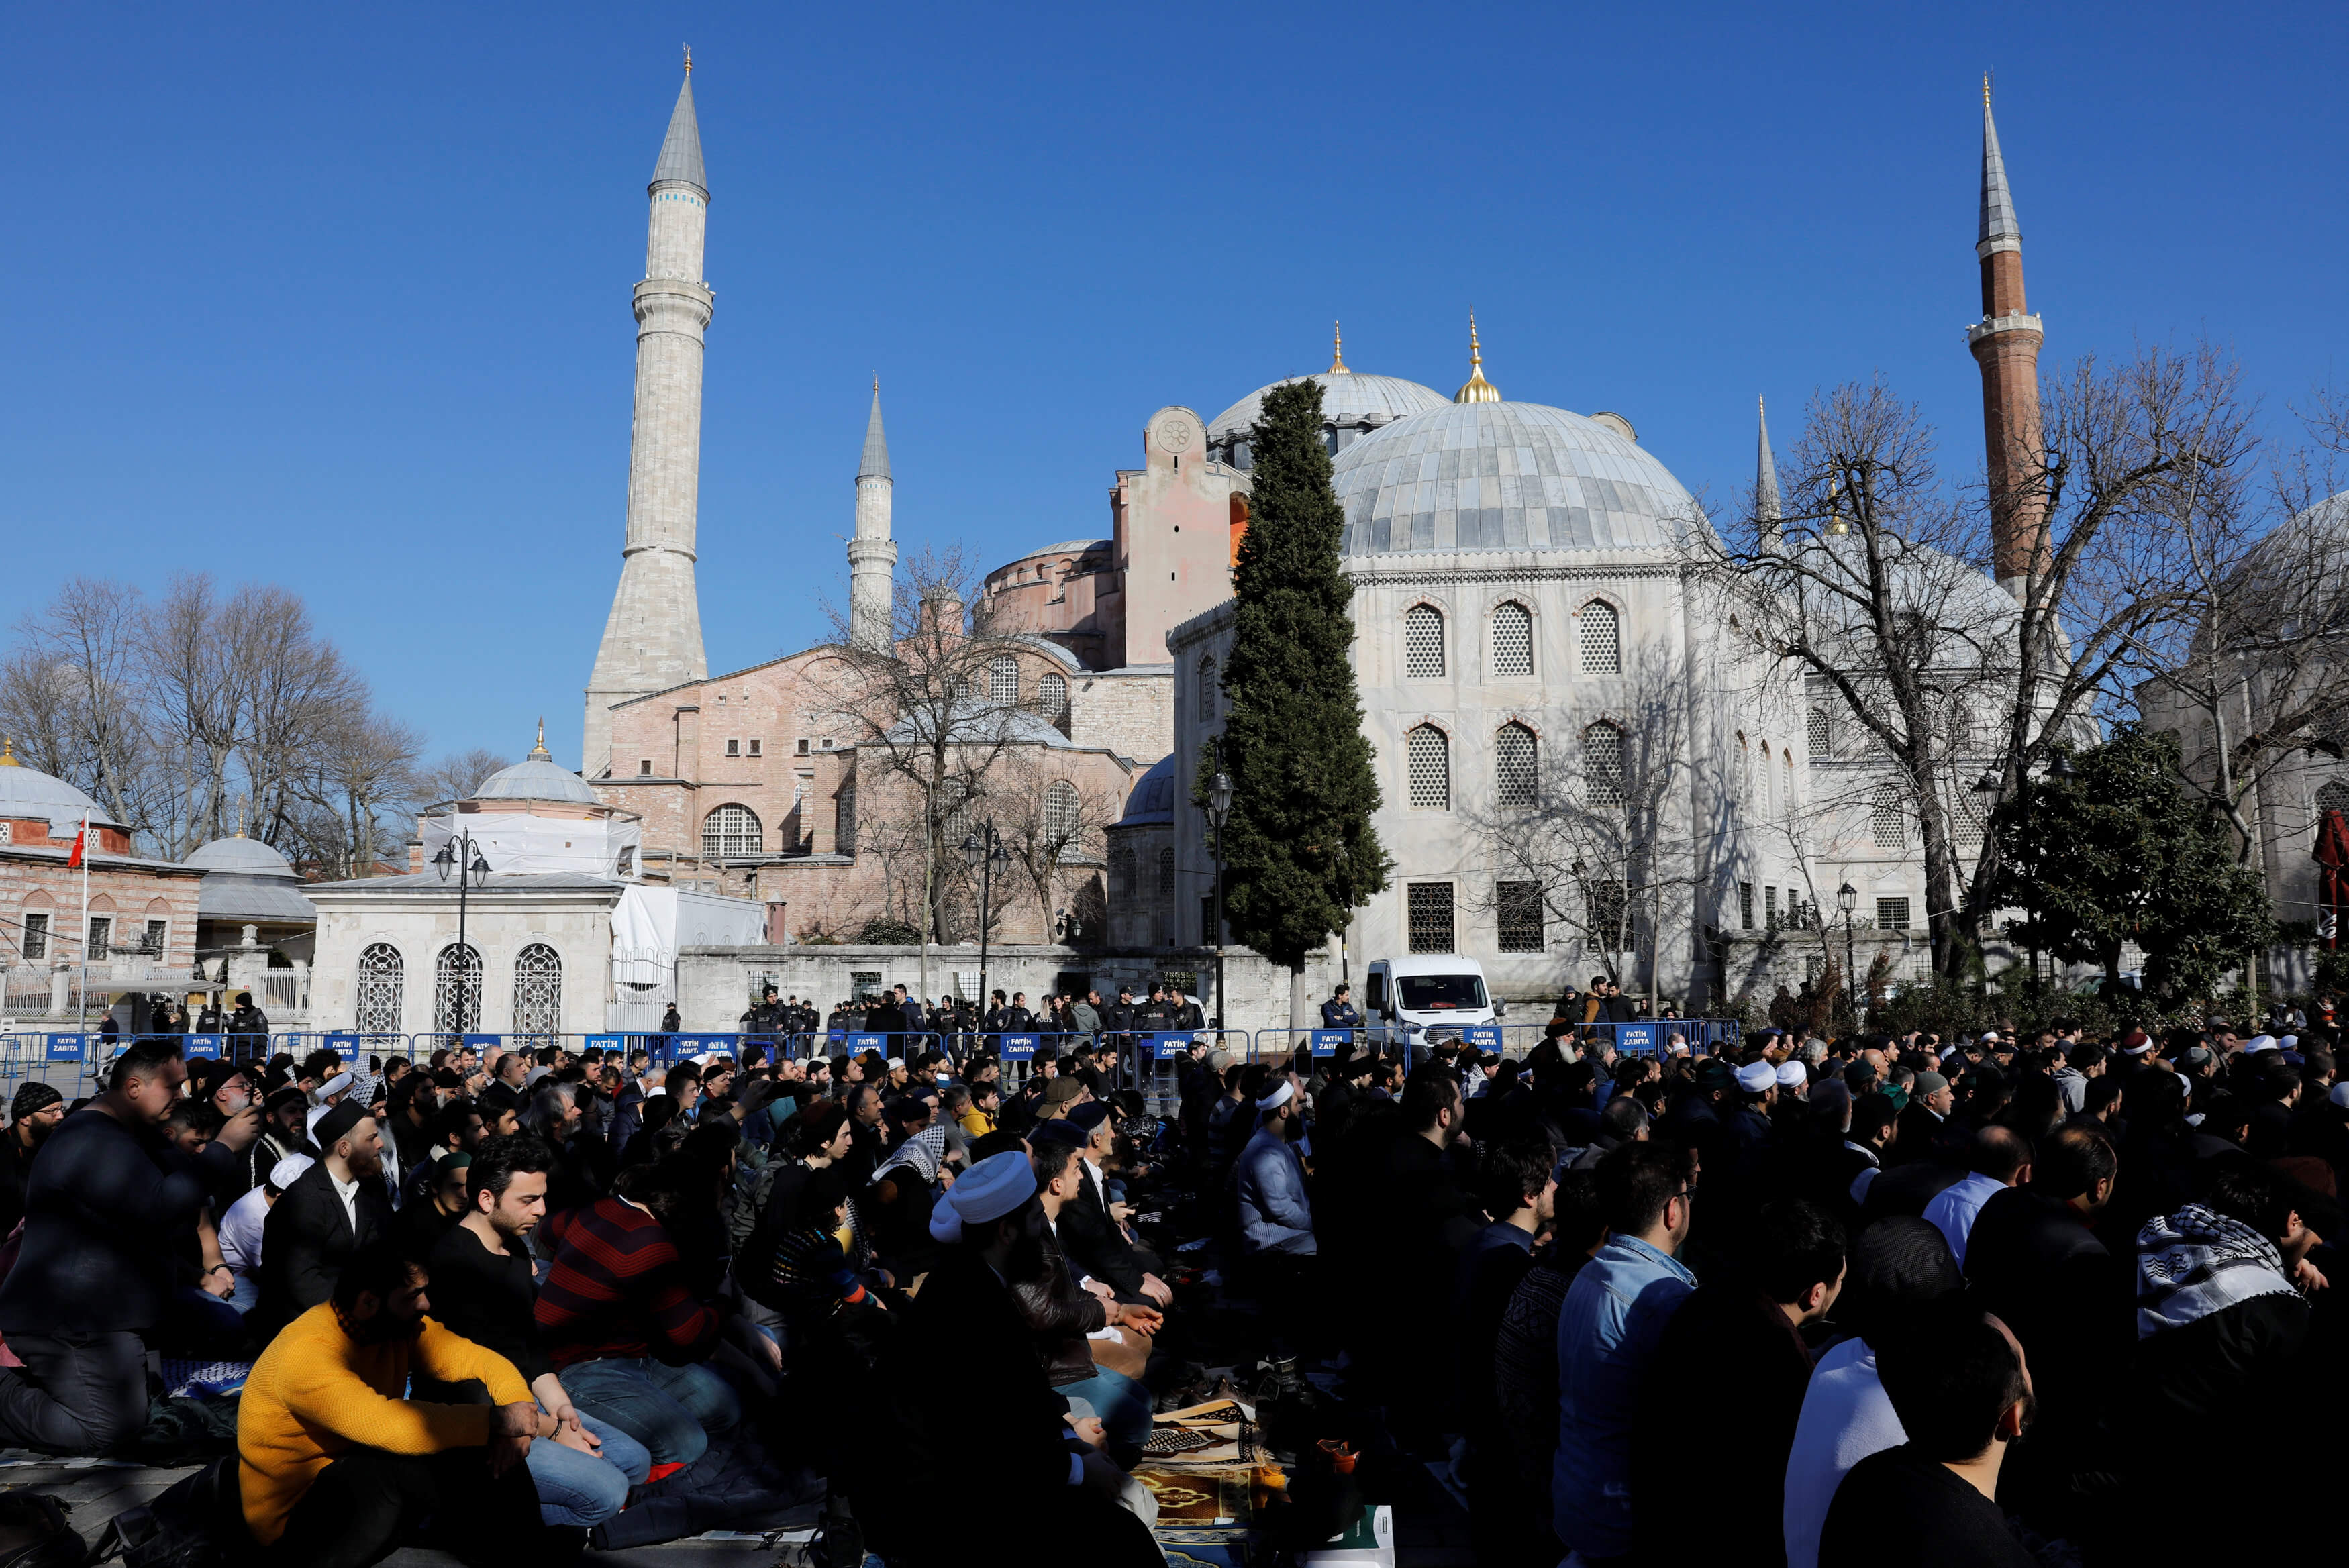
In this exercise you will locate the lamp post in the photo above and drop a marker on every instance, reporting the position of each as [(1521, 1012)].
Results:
[(983, 857), (1846, 897), (1219, 811), (460, 852)]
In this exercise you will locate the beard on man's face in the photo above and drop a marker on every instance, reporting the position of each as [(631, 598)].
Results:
[(366, 1164), (384, 1328)]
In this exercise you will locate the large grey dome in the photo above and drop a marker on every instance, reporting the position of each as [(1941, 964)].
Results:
[(534, 778), (27, 792), (1347, 399), (1506, 476), (1151, 799)]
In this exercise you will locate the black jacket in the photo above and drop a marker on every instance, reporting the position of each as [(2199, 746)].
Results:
[(306, 1239), (1094, 1245)]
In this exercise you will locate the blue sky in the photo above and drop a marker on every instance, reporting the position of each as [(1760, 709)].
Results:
[(338, 297)]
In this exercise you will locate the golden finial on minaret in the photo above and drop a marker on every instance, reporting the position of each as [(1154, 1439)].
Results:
[(688, 59), (1985, 89), (8, 753), (1477, 389), (1337, 351), (877, 381), (240, 815)]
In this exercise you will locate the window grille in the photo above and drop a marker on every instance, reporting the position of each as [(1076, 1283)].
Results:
[(100, 935), (1889, 822), (1513, 640), (1430, 917), (1515, 753), (1786, 782), (1966, 819), (457, 990), (1763, 802), (1207, 689), (1422, 643), (645, 768), (37, 936), (1891, 914), (1770, 908), (1744, 906), (1602, 639), (1744, 774), (381, 989), (1603, 764), (1519, 906), (158, 932), (2333, 796), (1063, 813), (733, 749), (1609, 912), (754, 748), (1052, 695), (1003, 679), (1427, 754), (538, 996), (844, 822), (1166, 871), (1822, 731), (730, 832), (1960, 723)]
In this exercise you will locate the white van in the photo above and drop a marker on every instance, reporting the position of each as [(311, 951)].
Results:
[(1433, 992)]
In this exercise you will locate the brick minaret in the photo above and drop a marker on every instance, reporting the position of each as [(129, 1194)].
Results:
[(2005, 343), (653, 639)]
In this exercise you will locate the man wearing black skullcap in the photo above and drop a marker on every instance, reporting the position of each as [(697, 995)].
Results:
[(330, 1212), (32, 1116)]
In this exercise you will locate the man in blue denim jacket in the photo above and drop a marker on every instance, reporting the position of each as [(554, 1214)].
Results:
[(1606, 1331)]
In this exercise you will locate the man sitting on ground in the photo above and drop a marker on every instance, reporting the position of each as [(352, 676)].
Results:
[(330, 1212), (336, 1469)]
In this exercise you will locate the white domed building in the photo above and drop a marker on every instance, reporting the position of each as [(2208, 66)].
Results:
[(1554, 721)]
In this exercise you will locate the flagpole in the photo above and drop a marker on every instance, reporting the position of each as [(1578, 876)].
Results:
[(81, 848)]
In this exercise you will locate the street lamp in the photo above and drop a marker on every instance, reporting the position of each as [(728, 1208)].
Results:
[(983, 856), (1219, 811), (460, 853), (1846, 898)]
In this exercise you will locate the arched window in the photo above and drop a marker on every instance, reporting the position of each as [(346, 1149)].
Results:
[(1762, 802), (1744, 774), (457, 990), (730, 832), (1968, 819), (1889, 820), (1959, 722), (1166, 871), (538, 994), (1063, 813), (2333, 796), (1513, 640), (1602, 639), (1602, 764), (844, 819), (381, 989), (1786, 782), (1052, 695), (1003, 679), (1822, 731), (1427, 756), (1207, 689), (1422, 642), (1515, 753)]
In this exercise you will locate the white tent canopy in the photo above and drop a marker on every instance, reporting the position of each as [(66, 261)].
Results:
[(518, 842)]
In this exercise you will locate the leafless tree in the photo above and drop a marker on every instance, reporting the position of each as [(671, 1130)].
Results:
[(928, 710), (1054, 829), (456, 774), (1872, 580), (74, 691)]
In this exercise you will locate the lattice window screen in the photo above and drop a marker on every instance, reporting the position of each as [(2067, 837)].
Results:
[(1422, 642), (1513, 641), (1602, 640), (1514, 754), (1602, 764), (1427, 754), (1430, 917)]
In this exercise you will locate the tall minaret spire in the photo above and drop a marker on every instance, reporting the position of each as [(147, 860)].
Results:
[(653, 638), (2005, 343), (1766, 477), (872, 554)]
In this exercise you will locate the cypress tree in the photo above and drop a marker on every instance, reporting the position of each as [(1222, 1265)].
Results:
[(1299, 851)]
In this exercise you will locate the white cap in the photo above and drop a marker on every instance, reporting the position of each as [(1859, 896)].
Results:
[(1792, 1075), (986, 1193), (894, 1063), (1755, 1077), (1989, 1038), (2339, 1095), (1278, 1095), (2260, 1043), (2290, 1042), (333, 1086), (283, 1175)]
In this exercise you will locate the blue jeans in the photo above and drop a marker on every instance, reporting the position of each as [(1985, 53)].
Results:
[(670, 1410), (582, 1491), (1122, 1405), (245, 1293)]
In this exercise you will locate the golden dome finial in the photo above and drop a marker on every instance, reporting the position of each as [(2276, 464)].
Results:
[(8, 753), (688, 59), (539, 753), (1985, 89), (240, 815), (1337, 351), (1477, 389)]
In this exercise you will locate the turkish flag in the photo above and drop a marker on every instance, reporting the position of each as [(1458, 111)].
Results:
[(2332, 877), (74, 859)]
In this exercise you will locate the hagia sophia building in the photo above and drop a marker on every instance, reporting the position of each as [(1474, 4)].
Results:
[(1521, 604)]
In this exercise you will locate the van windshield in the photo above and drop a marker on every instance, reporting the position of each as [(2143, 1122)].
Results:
[(1439, 993)]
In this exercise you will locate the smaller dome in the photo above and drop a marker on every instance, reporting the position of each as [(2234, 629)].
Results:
[(243, 856), (1347, 399), (536, 777), (1151, 799)]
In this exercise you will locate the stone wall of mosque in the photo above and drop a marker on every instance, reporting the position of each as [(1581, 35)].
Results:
[(1129, 711)]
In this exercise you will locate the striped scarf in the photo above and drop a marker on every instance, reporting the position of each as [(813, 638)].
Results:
[(2195, 1262)]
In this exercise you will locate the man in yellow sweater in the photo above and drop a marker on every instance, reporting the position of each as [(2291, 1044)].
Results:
[(336, 1470)]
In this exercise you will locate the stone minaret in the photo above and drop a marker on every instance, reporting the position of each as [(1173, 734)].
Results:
[(872, 554), (1766, 478), (653, 639), (2005, 343)]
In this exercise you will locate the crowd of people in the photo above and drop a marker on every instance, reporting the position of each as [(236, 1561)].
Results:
[(1822, 1302)]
